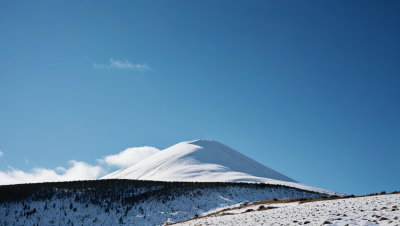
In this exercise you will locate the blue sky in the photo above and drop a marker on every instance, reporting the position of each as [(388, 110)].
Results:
[(307, 88)]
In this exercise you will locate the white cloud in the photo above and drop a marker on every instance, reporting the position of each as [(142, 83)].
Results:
[(129, 156), (122, 65), (1, 153), (62, 169), (77, 171)]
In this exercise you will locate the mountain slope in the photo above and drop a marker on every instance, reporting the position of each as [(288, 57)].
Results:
[(132, 202), (373, 210), (205, 161)]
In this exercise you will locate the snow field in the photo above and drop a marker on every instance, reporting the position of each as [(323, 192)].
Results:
[(373, 210), (243, 209), (178, 206)]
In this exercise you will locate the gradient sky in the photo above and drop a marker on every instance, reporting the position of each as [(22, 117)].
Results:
[(310, 89)]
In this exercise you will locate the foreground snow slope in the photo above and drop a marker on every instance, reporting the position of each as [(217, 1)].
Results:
[(375, 210), (205, 160)]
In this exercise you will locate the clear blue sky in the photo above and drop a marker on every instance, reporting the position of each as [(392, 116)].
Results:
[(308, 88)]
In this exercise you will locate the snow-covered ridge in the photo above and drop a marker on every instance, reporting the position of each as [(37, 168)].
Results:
[(205, 161)]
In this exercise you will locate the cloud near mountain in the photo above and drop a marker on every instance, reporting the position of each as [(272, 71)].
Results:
[(76, 171), (129, 156)]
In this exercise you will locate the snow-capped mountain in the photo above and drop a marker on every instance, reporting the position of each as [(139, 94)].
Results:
[(205, 161), (187, 180)]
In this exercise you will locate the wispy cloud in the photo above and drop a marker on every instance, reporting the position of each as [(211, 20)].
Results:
[(1, 153), (26, 160), (122, 65), (77, 171), (129, 156)]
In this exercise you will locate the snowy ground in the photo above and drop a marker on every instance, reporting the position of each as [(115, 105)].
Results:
[(238, 208), (152, 211), (372, 210)]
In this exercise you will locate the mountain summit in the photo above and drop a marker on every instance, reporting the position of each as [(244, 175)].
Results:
[(205, 161)]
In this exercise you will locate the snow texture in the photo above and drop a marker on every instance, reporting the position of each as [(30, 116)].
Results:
[(73, 207), (374, 210), (205, 161)]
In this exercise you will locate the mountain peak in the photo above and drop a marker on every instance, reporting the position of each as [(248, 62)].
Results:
[(199, 141), (205, 161)]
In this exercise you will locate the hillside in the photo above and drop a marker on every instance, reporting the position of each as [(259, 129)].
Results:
[(189, 179), (133, 202), (205, 161), (370, 210)]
